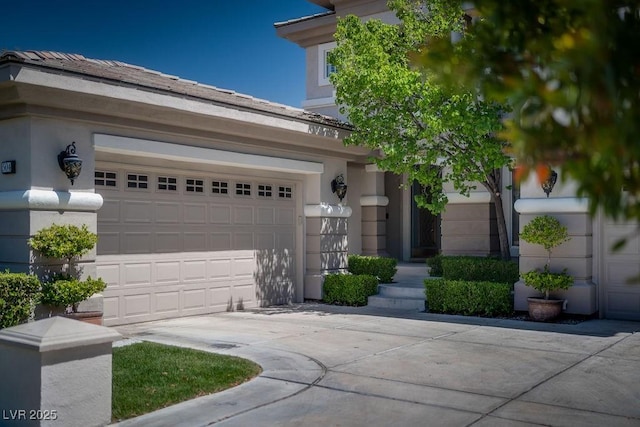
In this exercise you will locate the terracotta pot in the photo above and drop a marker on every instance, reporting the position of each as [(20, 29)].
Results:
[(93, 317), (542, 310)]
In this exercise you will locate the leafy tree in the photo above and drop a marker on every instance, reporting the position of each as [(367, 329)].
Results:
[(420, 127), (571, 71)]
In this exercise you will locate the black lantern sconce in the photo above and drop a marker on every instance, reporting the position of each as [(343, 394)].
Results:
[(548, 184), (339, 187), (69, 162)]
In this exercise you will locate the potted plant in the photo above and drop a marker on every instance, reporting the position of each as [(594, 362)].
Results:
[(65, 290), (549, 233)]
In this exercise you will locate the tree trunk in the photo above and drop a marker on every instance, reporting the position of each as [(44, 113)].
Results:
[(492, 184), (505, 249)]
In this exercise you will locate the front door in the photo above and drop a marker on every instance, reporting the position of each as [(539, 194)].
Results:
[(425, 228)]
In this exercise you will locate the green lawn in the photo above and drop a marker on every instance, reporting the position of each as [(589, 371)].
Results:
[(149, 376)]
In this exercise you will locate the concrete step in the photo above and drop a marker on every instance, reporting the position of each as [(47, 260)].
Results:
[(415, 304), (398, 296), (399, 291)]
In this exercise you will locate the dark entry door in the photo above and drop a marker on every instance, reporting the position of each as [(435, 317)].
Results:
[(425, 228)]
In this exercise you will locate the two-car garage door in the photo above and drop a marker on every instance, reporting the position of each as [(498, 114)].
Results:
[(175, 243)]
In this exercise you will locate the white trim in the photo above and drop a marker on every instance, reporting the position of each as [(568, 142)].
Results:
[(556, 204), (323, 79), (327, 210), (329, 101), (168, 151), (475, 198), (374, 201), (50, 200)]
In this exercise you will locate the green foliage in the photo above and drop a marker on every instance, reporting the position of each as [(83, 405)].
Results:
[(63, 241), (149, 376), (546, 231), (435, 265), (412, 120), (68, 292), (18, 294), (546, 281), (570, 71), (469, 298), (383, 268), (349, 289), (481, 269)]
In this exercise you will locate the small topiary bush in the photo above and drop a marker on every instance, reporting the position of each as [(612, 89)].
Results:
[(435, 265), (18, 294), (479, 269), (469, 298), (349, 289), (381, 267), (63, 241), (68, 292)]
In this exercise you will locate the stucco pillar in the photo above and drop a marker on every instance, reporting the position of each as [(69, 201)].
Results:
[(469, 225), (373, 204), (38, 194), (576, 255), (326, 245), (56, 372)]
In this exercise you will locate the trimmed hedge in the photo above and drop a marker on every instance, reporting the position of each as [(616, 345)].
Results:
[(381, 267), (435, 265), (18, 294), (349, 289), (479, 269), (469, 298)]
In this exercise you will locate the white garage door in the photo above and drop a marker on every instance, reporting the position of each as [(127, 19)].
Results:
[(621, 298), (175, 243)]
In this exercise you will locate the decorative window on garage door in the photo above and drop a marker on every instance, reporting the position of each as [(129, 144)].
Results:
[(285, 192), (167, 183), (265, 190), (135, 180), (105, 179), (243, 189), (194, 185), (219, 187)]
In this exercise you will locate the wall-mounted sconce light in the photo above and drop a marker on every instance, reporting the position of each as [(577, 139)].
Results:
[(547, 184), (69, 162), (339, 187)]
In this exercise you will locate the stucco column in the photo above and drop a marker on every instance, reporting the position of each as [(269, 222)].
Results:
[(469, 225), (374, 203), (326, 245), (576, 255)]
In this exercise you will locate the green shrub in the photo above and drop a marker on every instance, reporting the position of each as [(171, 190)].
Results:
[(349, 289), (381, 267), (469, 298), (435, 265), (18, 294), (63, 241), (482, 269), (546, 281), (68, 292)]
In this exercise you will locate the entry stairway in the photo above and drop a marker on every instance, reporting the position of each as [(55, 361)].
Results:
[(407, 290)]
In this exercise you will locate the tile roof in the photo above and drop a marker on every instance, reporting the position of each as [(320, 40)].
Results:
[(120, 73), (303, 18)]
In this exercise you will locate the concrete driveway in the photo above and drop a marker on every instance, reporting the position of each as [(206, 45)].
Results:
[(342, 366)]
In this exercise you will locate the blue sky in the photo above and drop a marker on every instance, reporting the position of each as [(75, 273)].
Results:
[(228, 44)]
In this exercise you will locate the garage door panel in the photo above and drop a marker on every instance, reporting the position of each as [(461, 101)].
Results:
[(243, 215), (195, 213), (168, 252), (168, 212), (243, 241), (168, 302), (136, 243), (137, 211), (167, 272), (265, 216), (194, 270), (220, 214), (137, 305)]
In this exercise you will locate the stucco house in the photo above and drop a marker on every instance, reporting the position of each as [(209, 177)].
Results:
[(207, 200)]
